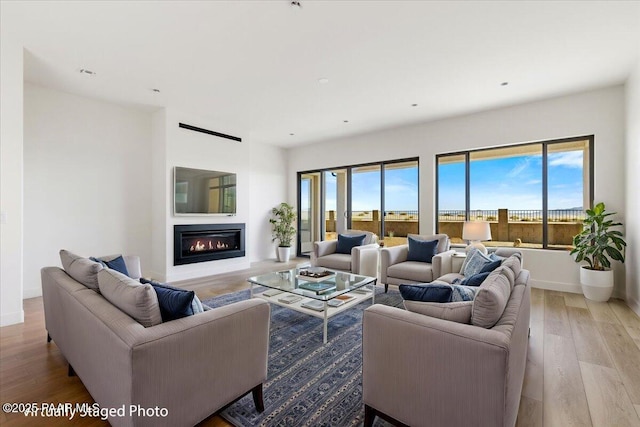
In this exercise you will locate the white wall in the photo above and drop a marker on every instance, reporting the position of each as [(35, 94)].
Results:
[(87, 180), (632, 216), (599, 112), (261, 172), (11, 170)]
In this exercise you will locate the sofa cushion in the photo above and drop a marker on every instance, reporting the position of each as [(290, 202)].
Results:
[(132, 297), (453, 311), (491, 299), (174, 303), (514, 262), (451, 278), (412, 271), (346, 243), (429, 292), (474, 263), (421, 250), (196, 304), (81, 269), (335, 261)]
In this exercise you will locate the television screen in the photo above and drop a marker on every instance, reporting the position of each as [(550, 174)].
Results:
[(203, 192)]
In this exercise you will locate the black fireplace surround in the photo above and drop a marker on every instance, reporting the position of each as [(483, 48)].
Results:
[(207, 242)]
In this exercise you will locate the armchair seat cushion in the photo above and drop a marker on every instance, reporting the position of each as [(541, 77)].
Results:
[(335, 261), (412, 271)]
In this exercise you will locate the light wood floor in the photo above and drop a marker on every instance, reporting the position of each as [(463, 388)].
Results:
[(583, 364)]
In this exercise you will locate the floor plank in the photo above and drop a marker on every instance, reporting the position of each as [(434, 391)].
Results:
[(609, 403), (537, 304), (601, 312), (589, 344), (565, 401), (556, 320), (575, 300), (625, 354), (529, 413), (534, 371)]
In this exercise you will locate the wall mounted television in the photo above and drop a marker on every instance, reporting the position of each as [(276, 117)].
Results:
[(203, 192)]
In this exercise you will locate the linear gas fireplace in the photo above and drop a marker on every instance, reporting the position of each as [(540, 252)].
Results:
[(207, 242)]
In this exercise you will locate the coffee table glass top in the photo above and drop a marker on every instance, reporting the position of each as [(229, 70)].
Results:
[(324, 288)]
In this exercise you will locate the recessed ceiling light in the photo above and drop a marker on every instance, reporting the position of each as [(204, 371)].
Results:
[(346, 121), (504, 83), (292, 134), (89, 72), (414, 105), (155, 90), (295, 5), (323, 81)]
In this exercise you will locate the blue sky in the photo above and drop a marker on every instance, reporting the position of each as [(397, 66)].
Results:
[(514, 183)]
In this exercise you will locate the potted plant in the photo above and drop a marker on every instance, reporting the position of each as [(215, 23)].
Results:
[(598, 242), (283, 229)]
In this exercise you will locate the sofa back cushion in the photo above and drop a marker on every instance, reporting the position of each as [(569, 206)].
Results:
[(459, 311), (492, 297), (81, 269), (132, 297)]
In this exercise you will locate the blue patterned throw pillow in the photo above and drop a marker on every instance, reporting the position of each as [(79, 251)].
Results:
[(475, 262), (422, 250), (463, 293), (475, 280), (346, 243)]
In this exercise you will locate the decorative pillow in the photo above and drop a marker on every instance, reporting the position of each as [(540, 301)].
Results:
[(174, 304), (429, 292), (116, 264), (490, 266), (453, 311), (491, 299), (196, 304), (514, 262), (81, 269), (346, 243), (495, 257), (462, 293), (422, 250), (137, 300), (474, 263), (475, 280)]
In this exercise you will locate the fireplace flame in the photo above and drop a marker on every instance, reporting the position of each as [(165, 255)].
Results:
[(199, 246)]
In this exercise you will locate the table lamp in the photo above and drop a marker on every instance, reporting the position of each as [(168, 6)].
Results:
[(474, 232)]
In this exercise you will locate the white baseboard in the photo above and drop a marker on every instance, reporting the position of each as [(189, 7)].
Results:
[(31, 293), (556, 286), (12, 318)]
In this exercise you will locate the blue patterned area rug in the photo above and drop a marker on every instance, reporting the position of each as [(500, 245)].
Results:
[(308, 383)]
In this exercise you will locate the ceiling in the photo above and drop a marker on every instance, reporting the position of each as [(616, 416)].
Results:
[(254, 66)]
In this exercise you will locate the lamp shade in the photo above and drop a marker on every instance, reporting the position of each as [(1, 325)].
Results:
[(476, 230)]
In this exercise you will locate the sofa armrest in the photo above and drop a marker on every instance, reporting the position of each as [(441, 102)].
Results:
[(364, 260), (415, 365), (390, 256), (441, 263), (208, 360)]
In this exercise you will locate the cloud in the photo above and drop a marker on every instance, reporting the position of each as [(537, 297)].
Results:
[(569, 159), (518, 168)]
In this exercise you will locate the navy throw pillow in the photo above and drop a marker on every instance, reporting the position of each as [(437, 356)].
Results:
[(488, 268), (346, 243), (116, 264), (421, 250), (430, 292), (475, 280), (174, 303)]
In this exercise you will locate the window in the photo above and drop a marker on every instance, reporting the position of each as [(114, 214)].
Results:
[(533, 195), (379, 197)]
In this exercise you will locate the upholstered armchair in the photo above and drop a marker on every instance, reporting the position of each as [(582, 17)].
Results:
[(359, 259), (396, 266)]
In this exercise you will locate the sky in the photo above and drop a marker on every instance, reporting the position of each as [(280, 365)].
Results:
[(514, 183), (509, 182)]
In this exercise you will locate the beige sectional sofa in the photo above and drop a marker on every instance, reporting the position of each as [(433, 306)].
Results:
[(420, 370), (191, 366)]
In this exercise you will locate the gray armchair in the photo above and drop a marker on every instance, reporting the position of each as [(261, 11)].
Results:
[(396, 270), (362, 259)]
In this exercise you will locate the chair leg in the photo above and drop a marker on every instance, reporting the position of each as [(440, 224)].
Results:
[(258, 398), (71, 372), (369, 415), (48, 337), (386, 287)]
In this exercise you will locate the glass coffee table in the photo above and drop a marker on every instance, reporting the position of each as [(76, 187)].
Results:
[(317, 292)]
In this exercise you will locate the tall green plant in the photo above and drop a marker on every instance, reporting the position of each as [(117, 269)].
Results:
[(598, 242), (282, 224)]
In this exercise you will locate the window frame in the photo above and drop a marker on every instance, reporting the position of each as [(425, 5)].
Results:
[(545, 172)]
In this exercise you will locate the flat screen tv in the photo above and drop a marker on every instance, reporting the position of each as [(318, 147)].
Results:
[(203, 192)]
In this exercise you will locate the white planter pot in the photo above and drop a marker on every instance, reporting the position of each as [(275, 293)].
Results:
[(596, 285), (284, 253)]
